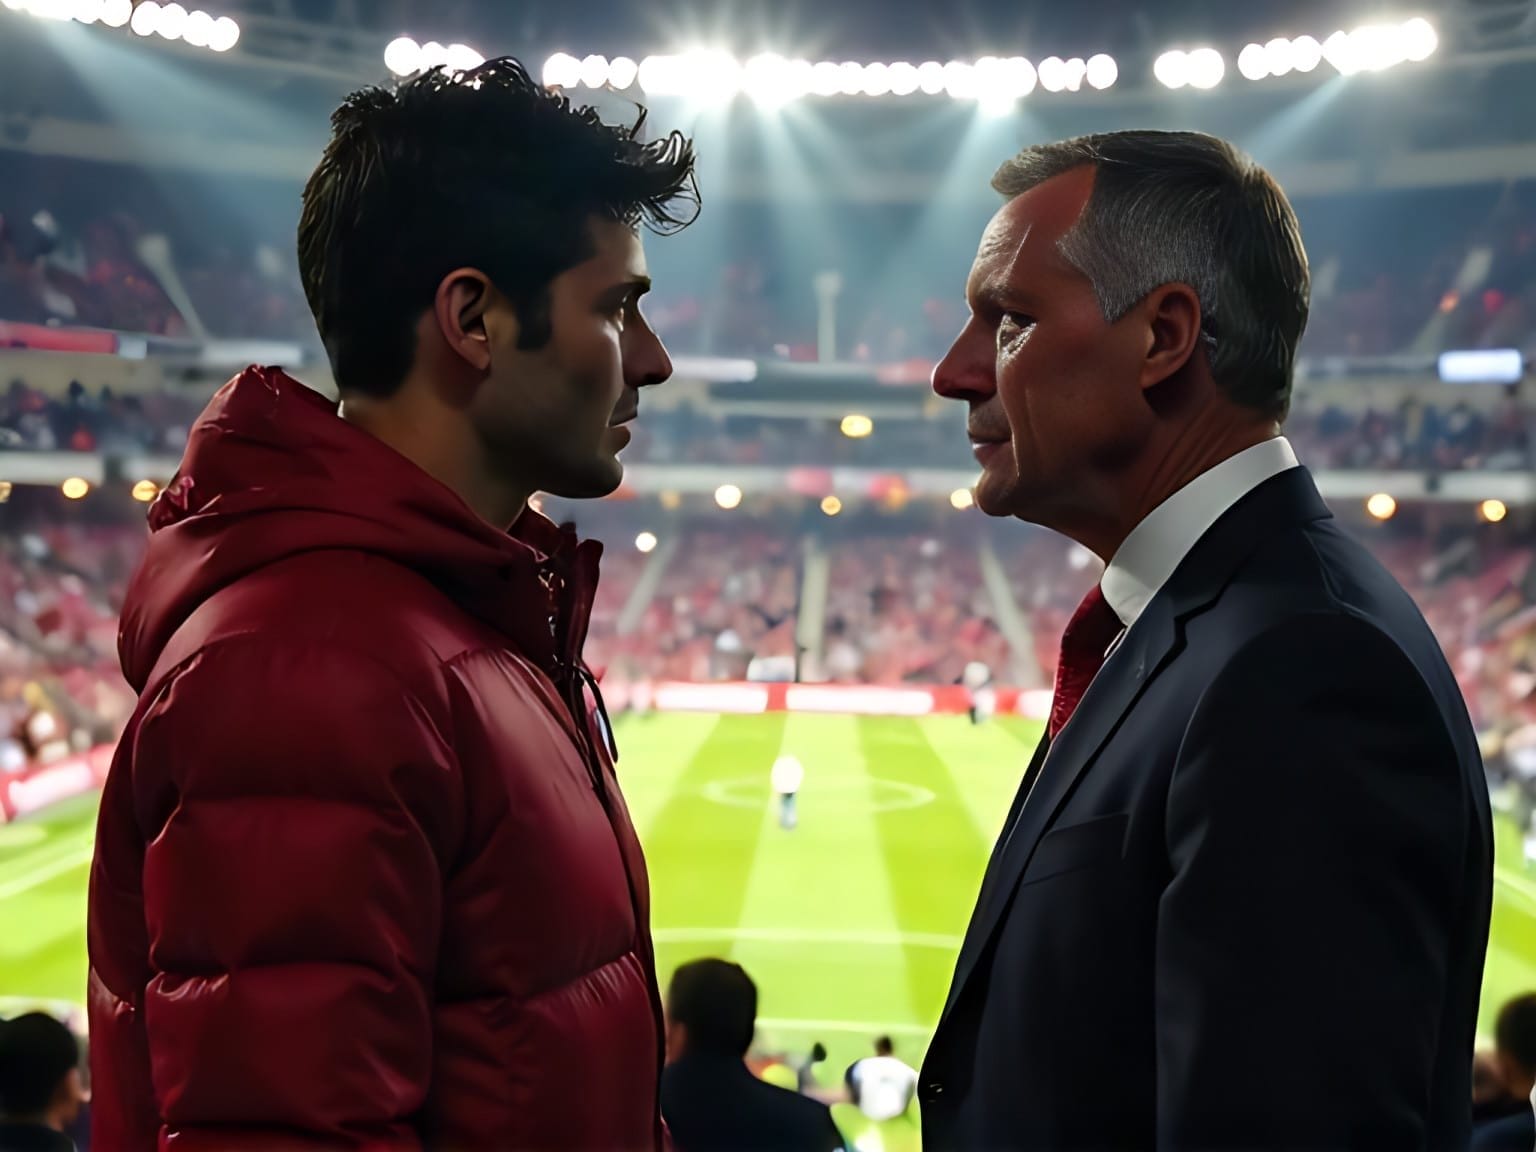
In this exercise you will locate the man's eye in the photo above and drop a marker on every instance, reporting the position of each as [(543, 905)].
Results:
[(1017, 320)]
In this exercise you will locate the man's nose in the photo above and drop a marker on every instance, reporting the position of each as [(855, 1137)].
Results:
[(646, 361), (967, 370)]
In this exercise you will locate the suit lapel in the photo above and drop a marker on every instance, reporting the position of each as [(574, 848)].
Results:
[(1155, 640), (1057, 765)]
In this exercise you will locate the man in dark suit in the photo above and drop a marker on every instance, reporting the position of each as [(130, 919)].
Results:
[(1257, 833), (709, 1099)]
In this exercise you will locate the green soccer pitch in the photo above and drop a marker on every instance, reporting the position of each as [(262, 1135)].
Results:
[(849, 924)]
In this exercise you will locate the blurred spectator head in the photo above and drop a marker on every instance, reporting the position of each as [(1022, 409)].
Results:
[(473, 191), (884, 1047), (1514, 1038), (39, 1072), (711, 1010)]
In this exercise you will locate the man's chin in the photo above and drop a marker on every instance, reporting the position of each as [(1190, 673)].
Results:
[(996, 498), (601, 478)]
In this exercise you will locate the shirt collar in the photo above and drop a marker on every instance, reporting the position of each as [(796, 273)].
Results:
[(1165, 536)]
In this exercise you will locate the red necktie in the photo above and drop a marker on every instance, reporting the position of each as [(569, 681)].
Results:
[(1084, 648)]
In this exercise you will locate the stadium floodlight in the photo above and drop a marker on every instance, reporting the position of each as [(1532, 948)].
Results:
[(145, 17), (1339, 50), (594, 71), (622, 72), (1053, 74), (463, 58), (831, 505), (904, 79), (850, 78), (825, 78), (199, 29), (88, 11), (995, 91), (224, 35), (402, 56), (1171, 69), (877, 79), (766, 80), (702, 74), (960, 80), (75, 488), (1419, 39), (645, 542), (1493, 510), (1306, 53), (930, 77), (5, 491), (1381, 506), (961, 499), (1077, 68), (145, 491), (1280, 54), (1102, 71), (51, 9), (856, 426), (1377, 47), (1206, 68), (172, 21), (562, 70), (116, 13), (728, 496), (15, 5), (1253, 62)]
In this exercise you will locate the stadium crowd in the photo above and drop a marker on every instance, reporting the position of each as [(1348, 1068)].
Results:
[(70, 256)]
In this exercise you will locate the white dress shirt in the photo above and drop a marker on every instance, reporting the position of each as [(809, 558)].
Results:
[(1160, 542)]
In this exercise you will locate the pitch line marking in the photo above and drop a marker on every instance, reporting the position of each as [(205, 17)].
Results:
[(27, 881), (858, 1027), (847, 796), (808, 936), (45, 853)]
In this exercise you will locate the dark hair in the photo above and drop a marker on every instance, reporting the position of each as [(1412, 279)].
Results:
[(1514, 1033), (485, 169), (36, 1053), (884, 1047), (1184, 207), (717, 1002)]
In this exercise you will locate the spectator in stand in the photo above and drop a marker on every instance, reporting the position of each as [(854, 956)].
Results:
[(41, 1091), (1514, 1038), (363, 874), (709, 1097)]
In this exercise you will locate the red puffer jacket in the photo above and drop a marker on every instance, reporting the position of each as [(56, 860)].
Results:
[(363, 874)]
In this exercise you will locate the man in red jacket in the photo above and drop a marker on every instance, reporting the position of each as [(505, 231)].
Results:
[(363, 873)]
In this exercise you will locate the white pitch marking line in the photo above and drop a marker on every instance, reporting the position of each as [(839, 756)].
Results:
[(27, 881), (808, 936), (858, 1027)]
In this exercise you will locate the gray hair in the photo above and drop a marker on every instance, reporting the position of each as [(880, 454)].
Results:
[(1187, 208)]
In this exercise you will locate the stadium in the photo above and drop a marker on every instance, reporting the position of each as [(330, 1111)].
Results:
[(794, 564)]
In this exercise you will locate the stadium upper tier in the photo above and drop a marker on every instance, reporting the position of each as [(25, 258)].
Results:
[(113, 246)]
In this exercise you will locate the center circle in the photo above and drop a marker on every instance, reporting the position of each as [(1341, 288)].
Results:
[(842, 796)]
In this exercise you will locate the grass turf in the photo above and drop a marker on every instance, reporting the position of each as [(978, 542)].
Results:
[(849, 924)]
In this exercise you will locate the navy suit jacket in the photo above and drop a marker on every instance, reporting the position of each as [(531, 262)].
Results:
[(1246, 903)]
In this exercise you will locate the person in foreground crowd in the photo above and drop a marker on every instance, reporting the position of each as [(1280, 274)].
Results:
[(1257, 828), (1514, 1038), (711, 1100), (41, 1092), (363, 872)]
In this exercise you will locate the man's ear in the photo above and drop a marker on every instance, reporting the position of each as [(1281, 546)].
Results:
[(1172, 317), (464, 296)]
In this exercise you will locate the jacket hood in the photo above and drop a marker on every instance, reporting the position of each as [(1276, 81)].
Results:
[(271, 471)]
